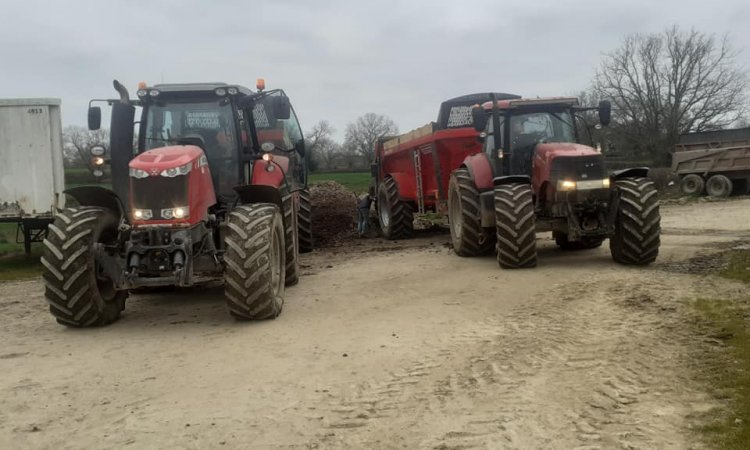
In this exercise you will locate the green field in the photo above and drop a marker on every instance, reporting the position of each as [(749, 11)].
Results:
[(358, 182), (14, 264)]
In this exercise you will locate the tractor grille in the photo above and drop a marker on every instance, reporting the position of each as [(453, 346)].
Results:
[(157, 193), (578, 168)]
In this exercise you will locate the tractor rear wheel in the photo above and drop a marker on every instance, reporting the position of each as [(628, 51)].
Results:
[(515, 225), (305, 222), (464, 213), (77, 290), (719, 186), (636, 239), (692, 184), (291, 237), (395, 216), (255, 267)]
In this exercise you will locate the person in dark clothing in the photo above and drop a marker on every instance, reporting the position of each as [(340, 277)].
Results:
[(363, 211)]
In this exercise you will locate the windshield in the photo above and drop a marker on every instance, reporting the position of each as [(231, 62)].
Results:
[(207, 124), (541, 127)]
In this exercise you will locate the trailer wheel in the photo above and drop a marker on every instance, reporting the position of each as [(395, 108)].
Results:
[(255, 267), (719, 186), (291, 236), (692, 184), (395, 216), (561, 239), (464, 214), (637, 226), (515, 225), (76, 288), (305, 222)]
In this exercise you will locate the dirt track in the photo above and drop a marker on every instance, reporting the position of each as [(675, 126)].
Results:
[(383, 345)]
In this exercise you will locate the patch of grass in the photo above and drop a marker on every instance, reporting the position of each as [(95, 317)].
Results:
[(358, 182), (726, 372), (739, 266), (18, 266)]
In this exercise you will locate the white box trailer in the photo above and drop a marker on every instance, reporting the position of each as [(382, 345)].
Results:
[(31, 164)]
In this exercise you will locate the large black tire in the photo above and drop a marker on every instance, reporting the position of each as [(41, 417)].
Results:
[(291, 237), (692, 184), (515, 225), (305, 222), (719, 186), (78, 292), (561, 239), (254, 271), (637, 227), (465, 216), (395, 216)]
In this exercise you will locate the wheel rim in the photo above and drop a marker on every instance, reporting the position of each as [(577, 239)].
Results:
[(691, 185), (384, 209), (275, 258), (454, 214)]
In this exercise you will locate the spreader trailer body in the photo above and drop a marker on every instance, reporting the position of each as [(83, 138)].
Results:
[(31, 165), (713, 162), (411, 171)]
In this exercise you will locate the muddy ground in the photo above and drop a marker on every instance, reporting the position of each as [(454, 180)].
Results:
[(386, 345)]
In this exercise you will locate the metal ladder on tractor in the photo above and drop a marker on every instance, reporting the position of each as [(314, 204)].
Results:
[(418, 173)]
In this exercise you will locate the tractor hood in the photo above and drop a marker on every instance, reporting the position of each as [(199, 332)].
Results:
[(550, 150), (157, 160)]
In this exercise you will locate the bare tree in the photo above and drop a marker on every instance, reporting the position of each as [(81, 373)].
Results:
[(665, 84), (363, 133), (78, 140), (321, 147)]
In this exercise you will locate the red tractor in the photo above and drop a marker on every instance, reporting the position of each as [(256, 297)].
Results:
[(213, 190), (411, 171), (532, 176)]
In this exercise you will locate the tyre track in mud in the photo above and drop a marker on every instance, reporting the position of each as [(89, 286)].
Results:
[(595, 364)]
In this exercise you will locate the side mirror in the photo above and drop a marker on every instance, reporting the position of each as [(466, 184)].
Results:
[(282, 109), (479, 117), (605, 112), (95, 117)]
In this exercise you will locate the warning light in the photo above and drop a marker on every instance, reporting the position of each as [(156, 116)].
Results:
[(142, 85), (260, 84)]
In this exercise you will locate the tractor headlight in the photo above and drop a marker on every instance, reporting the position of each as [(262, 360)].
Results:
[(138, 173), (175, 171), (179, 212), (142, 214), (605, 182), (566, 185)]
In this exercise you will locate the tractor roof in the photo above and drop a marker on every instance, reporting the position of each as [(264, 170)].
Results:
[(532, 102), (197, 87)]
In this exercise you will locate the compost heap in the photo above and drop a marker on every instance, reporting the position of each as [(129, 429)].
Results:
[(334, 213)]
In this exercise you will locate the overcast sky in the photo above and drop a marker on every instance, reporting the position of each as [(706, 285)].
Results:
[(335, 59)]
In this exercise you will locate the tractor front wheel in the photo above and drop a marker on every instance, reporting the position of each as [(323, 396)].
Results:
[(515, 225), (464, 213), (395, 216), (637, 226), (255, 266), (78, 291), (291, 236)]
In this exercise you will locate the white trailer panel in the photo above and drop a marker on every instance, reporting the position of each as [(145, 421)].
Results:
[(31, 159)]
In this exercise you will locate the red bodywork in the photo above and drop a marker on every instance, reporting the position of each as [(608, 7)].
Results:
[(447, 147), (263, 176), (200, 186)]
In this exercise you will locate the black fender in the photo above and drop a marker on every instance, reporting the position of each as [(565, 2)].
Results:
[(508, 179), (631, 172), (259, 193), (100, 197)]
